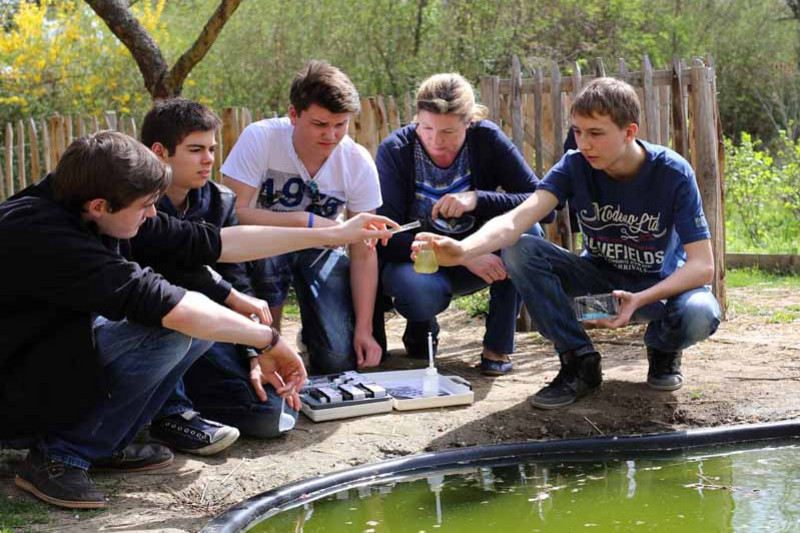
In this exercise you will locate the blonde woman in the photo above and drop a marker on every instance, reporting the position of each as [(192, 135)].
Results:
[(445, 170)]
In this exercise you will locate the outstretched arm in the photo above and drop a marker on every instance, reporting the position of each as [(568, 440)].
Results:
[(245, 243), (499, 232)]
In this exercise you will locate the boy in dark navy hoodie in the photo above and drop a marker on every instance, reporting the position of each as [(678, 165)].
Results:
[(182, 133)]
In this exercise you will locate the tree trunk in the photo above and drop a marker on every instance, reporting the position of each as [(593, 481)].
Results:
[(160, 81)]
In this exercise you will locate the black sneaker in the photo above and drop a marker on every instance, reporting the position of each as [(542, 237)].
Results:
[(578, 377), (136, 458), (664, 372), (415, 338), (189, 432), (57, 483)]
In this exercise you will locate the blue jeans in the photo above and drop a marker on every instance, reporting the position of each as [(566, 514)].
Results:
[(326, 303), (548, 277), (218, 386), (420, 297), (143, 365)]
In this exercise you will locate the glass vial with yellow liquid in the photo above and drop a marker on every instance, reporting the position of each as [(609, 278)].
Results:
[(426, 262)]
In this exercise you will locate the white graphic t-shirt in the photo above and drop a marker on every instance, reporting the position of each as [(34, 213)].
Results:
[(264, 157)]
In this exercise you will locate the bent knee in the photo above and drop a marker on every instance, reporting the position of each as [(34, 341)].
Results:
[(702, 317), (521, 252)]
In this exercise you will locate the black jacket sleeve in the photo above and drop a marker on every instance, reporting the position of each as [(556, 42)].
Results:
[(53, 257)]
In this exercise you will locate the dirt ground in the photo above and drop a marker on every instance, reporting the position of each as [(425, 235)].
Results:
[(748, 372)]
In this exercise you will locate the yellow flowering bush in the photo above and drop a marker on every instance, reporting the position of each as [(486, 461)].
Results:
[(58, 56)]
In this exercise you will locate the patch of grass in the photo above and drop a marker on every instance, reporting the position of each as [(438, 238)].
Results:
[(17, 515), (475, 304), (291, 309), (750, 277)]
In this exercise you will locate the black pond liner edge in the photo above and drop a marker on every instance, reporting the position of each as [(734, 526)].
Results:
[(246, 513)]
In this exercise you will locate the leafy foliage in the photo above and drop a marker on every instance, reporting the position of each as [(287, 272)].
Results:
[(763, 196), (57, 56)]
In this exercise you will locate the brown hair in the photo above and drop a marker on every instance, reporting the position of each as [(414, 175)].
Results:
[(449, 93), (111, 166), (325, 85), (169, 122), (608, 96)]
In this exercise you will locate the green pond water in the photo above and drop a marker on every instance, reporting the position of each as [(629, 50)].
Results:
[(750, 490)]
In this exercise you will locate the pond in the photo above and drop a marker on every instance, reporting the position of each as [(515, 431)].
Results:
[(711, 490)]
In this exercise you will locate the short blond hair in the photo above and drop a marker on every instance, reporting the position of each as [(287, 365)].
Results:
[(608, 96), (449, 93)]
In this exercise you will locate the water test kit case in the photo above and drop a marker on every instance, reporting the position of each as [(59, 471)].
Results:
[(355, 394)]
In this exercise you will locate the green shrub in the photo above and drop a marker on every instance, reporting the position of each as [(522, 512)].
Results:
[(762, 196)]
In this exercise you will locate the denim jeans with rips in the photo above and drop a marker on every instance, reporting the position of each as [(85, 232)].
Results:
[(549, 277), (143, 365)]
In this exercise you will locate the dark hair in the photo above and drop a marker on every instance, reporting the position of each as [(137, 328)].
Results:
[(325, 85), (608, 96), (111, 166), (170, 121)]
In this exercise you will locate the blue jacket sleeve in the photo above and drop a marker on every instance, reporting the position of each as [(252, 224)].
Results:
[(394, 179), (503, 166)]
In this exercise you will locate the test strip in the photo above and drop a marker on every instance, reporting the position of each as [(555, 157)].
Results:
[(404, 227)]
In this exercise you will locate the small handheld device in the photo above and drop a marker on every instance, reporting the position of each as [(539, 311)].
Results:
[(595, 307)]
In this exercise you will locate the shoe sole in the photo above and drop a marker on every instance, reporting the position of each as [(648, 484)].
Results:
[(550, 406), (29, 487), (152, 466), (211, 449), (665, 388)]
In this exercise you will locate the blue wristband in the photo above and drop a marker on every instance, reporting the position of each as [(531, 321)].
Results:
[(310, 219)]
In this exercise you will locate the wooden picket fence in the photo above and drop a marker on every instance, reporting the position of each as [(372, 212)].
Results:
[(679, 110)]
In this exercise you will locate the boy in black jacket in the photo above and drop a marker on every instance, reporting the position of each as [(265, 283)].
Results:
[(93, 341), (182, 133)]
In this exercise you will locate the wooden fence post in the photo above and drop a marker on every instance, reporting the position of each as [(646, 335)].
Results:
[(9, 159), (623, 69), (21, 159), (680, 136), (36, 168), (383, 121), (230, 130), (408, 108), (392, 113), (599, 68), (215, 171), (44, 127), (111, 120), (490, 97), (650, 107), (538, 83), (707, 169), (517, 132), (368, 134), (56, 134)]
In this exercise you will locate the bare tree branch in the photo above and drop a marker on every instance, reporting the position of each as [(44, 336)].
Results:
[(144, 49), (202, 45), (161, 81)]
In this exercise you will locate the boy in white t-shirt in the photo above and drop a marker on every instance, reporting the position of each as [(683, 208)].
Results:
[(303, 171)]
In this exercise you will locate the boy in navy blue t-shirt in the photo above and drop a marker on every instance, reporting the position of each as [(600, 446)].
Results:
[(646, 240)]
